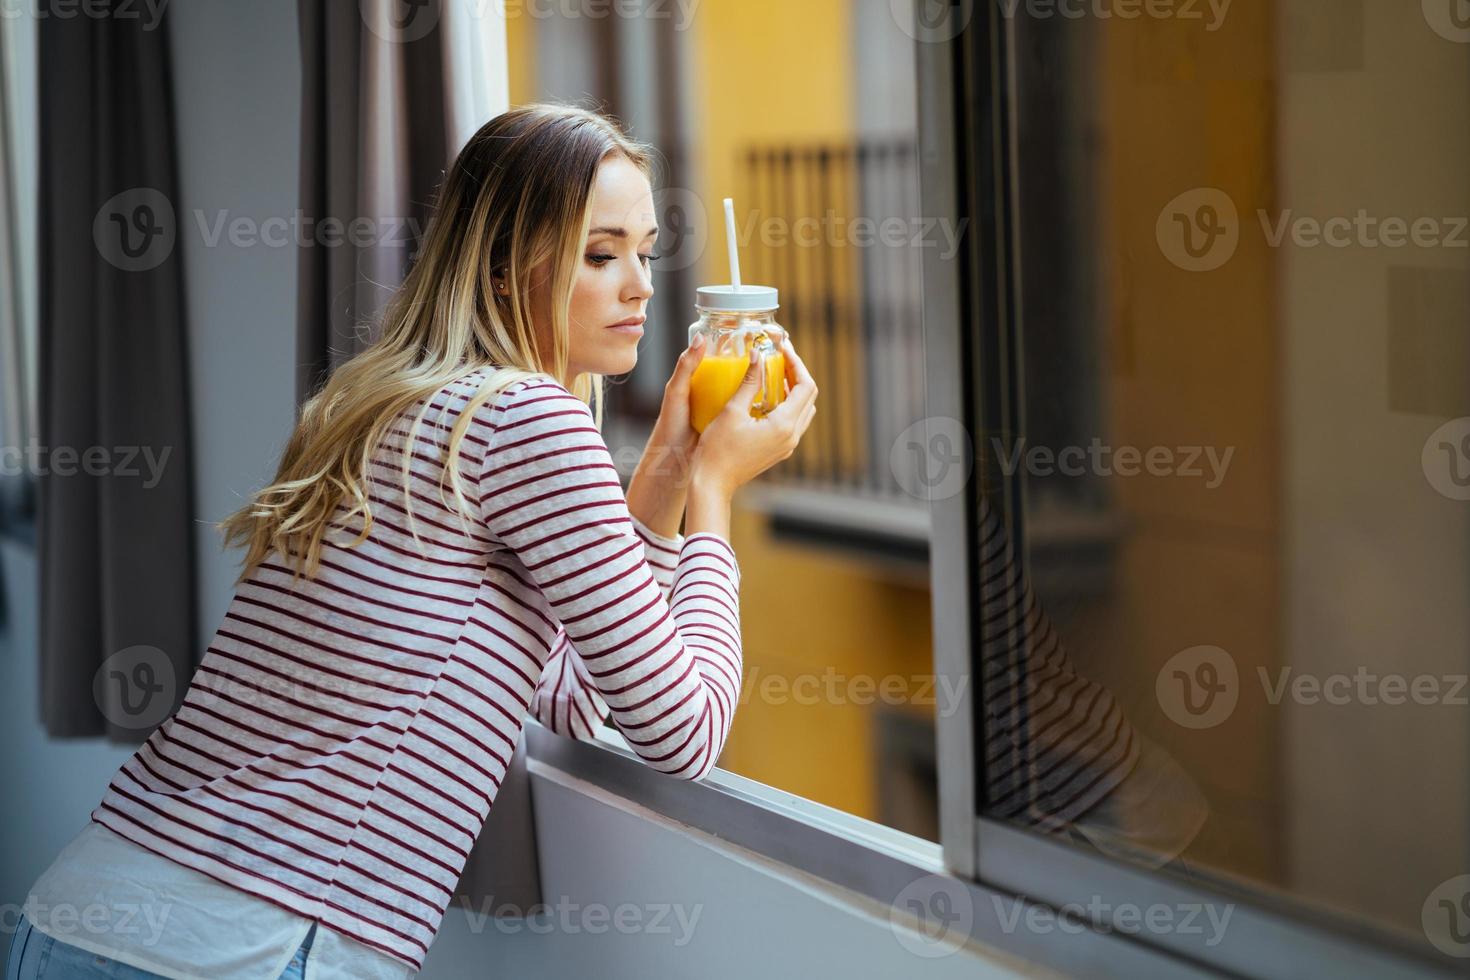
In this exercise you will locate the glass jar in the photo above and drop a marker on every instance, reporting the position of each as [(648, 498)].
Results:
[(731, 322)]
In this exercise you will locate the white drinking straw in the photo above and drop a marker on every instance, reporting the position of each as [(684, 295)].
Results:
[(730, 243)]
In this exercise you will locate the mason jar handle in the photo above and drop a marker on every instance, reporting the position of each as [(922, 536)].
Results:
[(766, 399)]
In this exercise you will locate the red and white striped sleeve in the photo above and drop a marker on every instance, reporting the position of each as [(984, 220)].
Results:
[(566, 699), (666, 663), (662, 554)]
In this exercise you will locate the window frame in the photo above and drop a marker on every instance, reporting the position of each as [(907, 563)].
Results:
[(967, 141), (866, 865)]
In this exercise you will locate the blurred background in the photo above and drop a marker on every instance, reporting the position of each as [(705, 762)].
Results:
[(1236, 481)]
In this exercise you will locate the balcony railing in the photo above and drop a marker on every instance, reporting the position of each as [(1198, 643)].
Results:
[(836, 227)]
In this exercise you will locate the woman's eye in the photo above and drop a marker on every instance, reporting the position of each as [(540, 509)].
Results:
[(601, 260)]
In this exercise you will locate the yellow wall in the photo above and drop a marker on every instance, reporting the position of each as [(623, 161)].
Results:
[(790, 64), (802, 612)]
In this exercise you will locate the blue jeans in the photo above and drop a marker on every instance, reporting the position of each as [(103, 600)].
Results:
[(37, 956)]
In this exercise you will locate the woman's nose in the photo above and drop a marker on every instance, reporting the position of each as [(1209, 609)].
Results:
[(642, 283)]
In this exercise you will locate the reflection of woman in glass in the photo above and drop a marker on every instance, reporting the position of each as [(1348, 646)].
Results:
[(347, 730), (1060, 755)]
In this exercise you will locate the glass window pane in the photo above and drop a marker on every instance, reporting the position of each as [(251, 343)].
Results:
[(1229, 630)]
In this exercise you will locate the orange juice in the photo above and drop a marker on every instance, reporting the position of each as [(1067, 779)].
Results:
[(718, 375), (731, 319)]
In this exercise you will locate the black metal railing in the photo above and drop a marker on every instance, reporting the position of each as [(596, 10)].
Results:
[(836, 227)]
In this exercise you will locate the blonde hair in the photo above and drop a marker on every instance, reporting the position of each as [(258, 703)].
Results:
[(516, 196)]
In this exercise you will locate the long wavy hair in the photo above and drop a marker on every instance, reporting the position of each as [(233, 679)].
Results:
[(516, 196)]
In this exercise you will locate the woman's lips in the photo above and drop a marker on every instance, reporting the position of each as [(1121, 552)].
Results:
[(632, 325)]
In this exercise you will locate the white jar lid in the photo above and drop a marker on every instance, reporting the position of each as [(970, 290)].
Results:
[(748, 298)]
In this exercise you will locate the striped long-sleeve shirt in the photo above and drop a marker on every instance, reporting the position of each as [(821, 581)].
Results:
[(344, 737)]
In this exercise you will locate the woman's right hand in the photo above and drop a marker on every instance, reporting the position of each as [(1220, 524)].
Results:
[(736, 447)]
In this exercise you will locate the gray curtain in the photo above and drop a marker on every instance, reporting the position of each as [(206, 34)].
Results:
[(375, 142), (380, 82), (115, 531)]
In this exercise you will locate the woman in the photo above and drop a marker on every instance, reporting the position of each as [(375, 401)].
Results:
[(397, 618)]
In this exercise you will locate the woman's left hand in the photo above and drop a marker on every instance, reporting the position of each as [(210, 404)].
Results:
[(660, 482), (674, 432)]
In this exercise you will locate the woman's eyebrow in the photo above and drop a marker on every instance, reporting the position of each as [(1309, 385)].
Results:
[(619, 232)]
